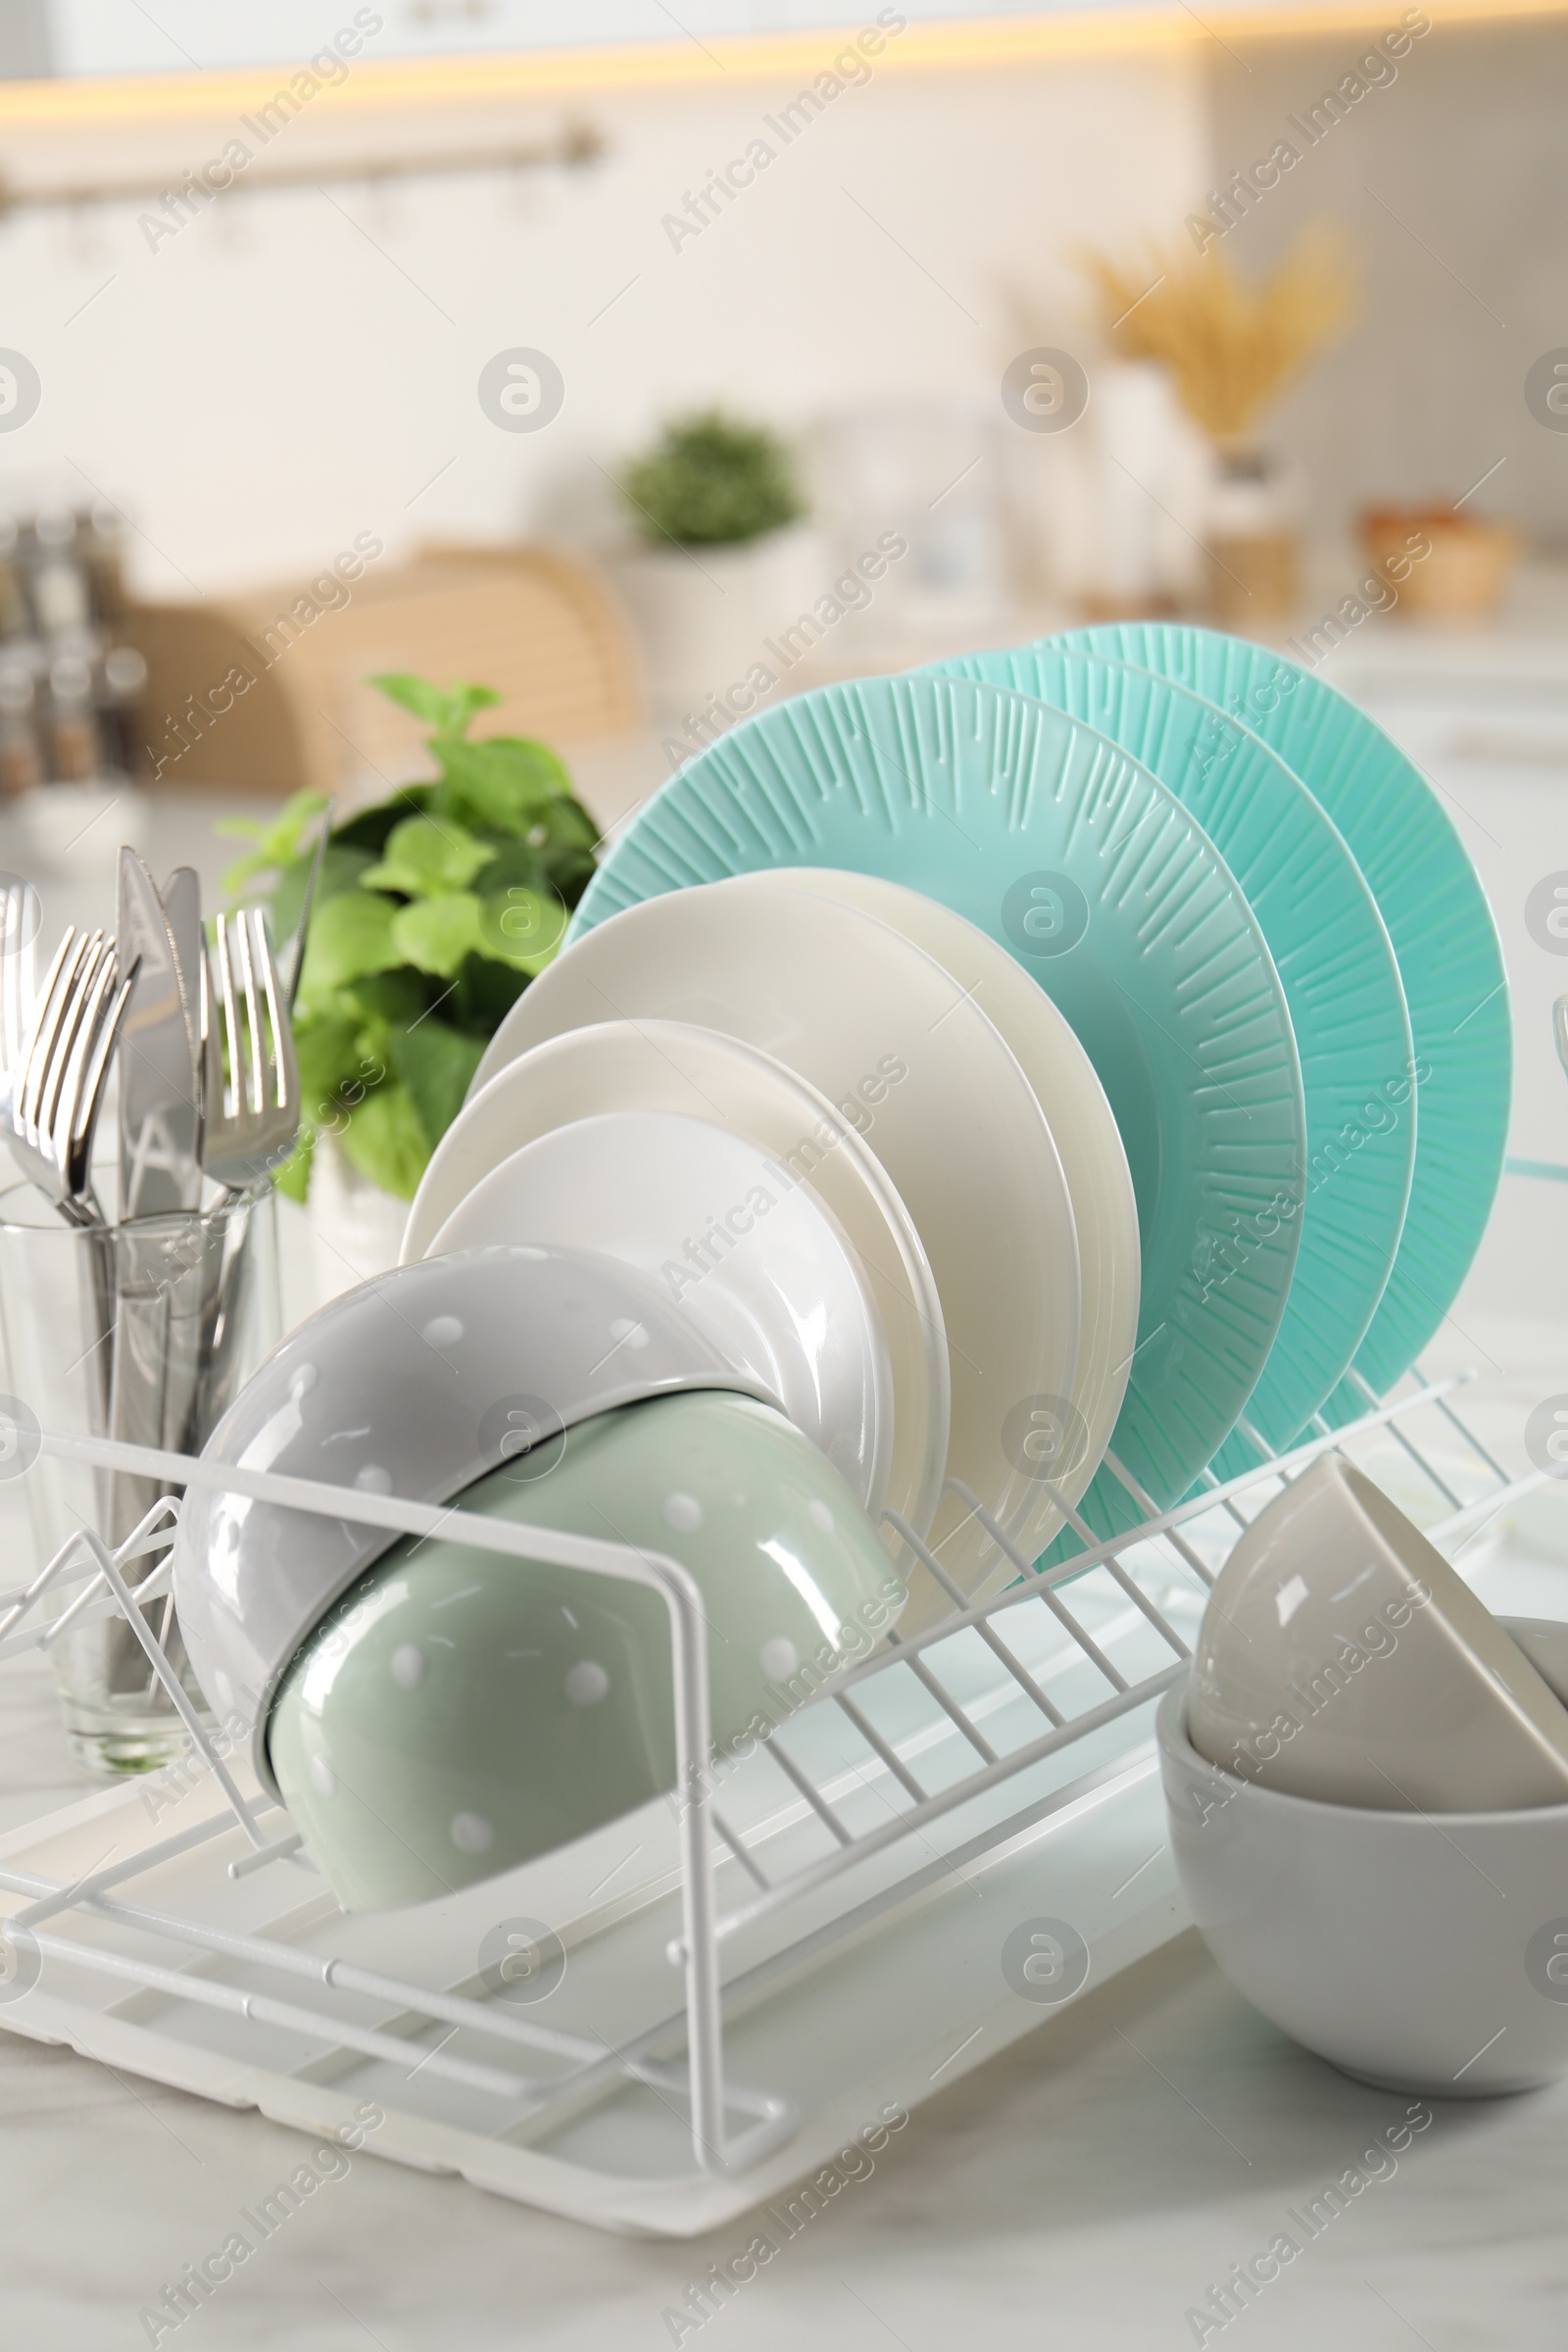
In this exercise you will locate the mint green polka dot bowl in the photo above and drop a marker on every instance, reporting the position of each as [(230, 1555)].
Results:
[(457, 1713)]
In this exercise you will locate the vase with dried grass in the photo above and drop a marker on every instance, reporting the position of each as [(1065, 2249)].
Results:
[(1232, 349)]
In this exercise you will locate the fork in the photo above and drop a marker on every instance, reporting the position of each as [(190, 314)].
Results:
[(253, 1118), (52, 1091)]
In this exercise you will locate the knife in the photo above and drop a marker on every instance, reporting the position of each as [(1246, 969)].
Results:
[(182, 912), (160, 1096), (292, 962)]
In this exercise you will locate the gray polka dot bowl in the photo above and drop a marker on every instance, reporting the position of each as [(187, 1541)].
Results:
[(416, 1384), (457, 1713)]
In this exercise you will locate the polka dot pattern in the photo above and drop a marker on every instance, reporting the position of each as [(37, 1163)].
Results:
[(587, 1683), (477, 1715)]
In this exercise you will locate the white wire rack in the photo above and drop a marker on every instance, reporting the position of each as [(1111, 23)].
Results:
[(834, 1901)]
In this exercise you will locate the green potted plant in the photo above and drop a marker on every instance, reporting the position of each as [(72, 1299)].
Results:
[(434, 910), (710, 481), (722, 556)]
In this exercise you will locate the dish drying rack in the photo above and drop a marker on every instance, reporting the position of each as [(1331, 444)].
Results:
[(702, 2002)]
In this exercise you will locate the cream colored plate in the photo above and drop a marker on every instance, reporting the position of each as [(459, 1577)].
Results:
[(1084, 1130), (899, 1048)]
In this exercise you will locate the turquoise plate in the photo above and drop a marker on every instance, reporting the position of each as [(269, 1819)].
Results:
[(1112, 894), (1342, 985), (1444, 936)]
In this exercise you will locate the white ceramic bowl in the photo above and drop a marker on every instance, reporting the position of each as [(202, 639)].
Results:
[(1341, 1657), (1422, 1955), (416, 1384)]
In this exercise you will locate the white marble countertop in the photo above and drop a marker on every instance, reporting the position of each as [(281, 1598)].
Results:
[(1084, 2191)]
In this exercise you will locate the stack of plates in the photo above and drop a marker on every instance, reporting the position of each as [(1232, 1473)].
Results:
[(1054, 1076)]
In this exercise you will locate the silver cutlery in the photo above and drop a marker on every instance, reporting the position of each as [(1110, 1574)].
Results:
[(160, 1065), (181, 897), (167, 1292), (252, 1118), (53, 1091)]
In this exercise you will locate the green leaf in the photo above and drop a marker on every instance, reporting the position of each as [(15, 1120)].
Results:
[(539, 760), (465, 701), (522, 927), (504, 781), (386, 1141), (326, 1044), (571, 872), (418, 694), (424, 859), (514, 861), (488, 992), (436, 934), (395, 1000), (446, 712), (565, 825), (351, 935), (275, 844), (367, 828), (436, 1063)]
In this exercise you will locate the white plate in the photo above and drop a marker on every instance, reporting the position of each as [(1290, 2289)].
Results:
[(756, 1259), (661, 1065), (1081, 1122), (898, 1046)]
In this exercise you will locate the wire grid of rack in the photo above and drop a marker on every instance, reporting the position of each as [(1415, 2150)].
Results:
[(816, 1893)]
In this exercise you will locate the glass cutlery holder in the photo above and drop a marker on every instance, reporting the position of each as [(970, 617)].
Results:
[(143, 1332)]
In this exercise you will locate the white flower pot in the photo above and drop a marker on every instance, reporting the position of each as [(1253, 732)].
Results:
[(703, 613)]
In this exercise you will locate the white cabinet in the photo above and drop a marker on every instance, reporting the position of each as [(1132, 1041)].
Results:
[(1488, 727), (72, 37)]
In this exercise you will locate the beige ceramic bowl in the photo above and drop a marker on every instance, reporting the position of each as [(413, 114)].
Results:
[(1420, 1955)]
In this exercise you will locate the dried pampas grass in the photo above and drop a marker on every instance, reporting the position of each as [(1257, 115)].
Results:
[(1231, 348)]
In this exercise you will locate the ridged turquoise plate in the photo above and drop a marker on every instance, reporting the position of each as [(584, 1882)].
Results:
[(1342, 986), (1443, 937), (1099, 882)]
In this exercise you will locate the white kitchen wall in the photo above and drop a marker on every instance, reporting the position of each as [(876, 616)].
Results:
[(295, 368), (1451, 182)]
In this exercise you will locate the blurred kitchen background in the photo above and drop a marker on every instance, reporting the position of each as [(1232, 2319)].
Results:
[(648, 370)]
